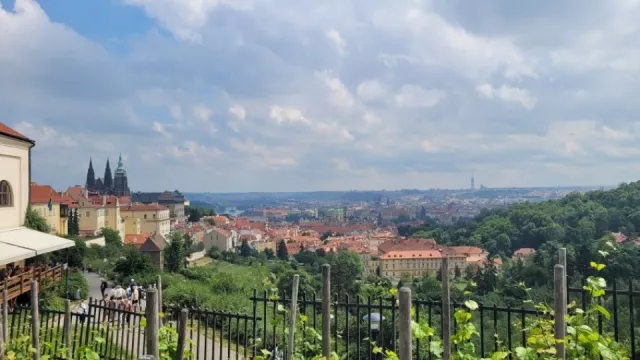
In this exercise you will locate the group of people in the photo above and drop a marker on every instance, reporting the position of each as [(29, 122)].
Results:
[(120, 298)]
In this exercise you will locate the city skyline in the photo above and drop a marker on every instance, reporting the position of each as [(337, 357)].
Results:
[(283, 95)]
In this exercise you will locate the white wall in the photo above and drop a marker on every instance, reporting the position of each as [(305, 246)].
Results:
[(14, 168)]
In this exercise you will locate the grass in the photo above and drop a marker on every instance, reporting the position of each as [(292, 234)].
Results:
[(217, 286)]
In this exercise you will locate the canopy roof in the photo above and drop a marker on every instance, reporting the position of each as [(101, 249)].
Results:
[(21, 243)]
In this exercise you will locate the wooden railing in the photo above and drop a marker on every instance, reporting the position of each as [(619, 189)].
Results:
[(20, 284)]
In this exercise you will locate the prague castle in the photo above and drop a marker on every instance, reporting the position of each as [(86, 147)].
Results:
[(117, 185)]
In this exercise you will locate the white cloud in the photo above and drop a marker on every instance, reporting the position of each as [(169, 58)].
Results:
[(202, 112), (238, 111), (371, 90), (414, 96), (339, 95), (176, 113), (507, 94), (338, 41), (44, 136), (287, 114)]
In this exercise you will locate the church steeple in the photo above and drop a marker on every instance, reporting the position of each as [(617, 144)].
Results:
[(91, 177), (108, 179)]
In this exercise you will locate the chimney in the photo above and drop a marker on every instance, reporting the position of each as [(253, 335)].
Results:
[(104, 200), (86, 193)]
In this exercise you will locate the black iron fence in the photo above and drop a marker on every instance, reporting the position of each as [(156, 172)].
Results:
[(359, 322), (356, 323)]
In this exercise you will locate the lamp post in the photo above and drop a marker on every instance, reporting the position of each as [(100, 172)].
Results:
[(375, 321)]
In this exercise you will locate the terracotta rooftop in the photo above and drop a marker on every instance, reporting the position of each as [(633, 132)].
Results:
[(40, 194), (5, 130)]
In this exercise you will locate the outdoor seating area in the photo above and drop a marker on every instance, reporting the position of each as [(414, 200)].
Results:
[(21, 283)]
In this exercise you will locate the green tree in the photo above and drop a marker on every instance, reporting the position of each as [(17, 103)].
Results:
[(133, 262), (282, 252), (111, 237), (34, 221), (76, 223), (269, 253), (347, 267), (245, 249), (174, 254), (70, 226)]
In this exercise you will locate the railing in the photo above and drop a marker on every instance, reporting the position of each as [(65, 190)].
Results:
[(499, 327), (21, 284), (222, 335)]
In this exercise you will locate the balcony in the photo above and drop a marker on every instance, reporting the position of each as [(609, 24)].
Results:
[(64, 210), (21, 284)]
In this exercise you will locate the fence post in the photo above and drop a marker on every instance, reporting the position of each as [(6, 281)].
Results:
[(292, 316), (160, 310), (35, 320), (2, 330), (5, 315), (67, 327), (405, 323), (326, 311), (152, 323), (446, 310), (182, 332), (562, 260), (560, 310)]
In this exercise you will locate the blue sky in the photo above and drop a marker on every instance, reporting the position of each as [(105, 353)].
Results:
[(283, 95)]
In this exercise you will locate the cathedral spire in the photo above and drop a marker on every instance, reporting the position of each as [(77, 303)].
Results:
[(108, 179), (91, 177)]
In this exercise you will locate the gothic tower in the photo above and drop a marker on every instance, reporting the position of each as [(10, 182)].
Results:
[(91, 177), (120, 182), (108, 180)]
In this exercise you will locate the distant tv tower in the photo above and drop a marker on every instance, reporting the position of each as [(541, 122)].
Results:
[(473, 182)]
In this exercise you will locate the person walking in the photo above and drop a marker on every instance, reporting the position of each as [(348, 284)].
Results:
[(103, 286)]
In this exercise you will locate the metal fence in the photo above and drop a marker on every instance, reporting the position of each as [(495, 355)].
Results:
[(356, 323)]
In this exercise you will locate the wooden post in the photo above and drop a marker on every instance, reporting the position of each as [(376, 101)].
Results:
[(152, 323), (182, 332), (293, 315), (2, 331), (562, 260), (67, 327), (5, 315), (405, 323), (560, 296), (326, 311), (446, 310), (35, 321), (160, 310)]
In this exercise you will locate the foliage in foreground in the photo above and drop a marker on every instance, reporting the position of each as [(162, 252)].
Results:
[(583, 340)]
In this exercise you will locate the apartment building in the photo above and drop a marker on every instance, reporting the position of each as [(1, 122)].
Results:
[(154, 218)]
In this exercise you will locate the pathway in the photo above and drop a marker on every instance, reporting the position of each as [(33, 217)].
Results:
[(130, 337)]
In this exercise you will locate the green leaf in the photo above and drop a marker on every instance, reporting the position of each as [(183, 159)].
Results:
[(471, 305)]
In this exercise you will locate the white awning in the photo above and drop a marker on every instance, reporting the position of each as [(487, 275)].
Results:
[(10, 254), (31, 241)]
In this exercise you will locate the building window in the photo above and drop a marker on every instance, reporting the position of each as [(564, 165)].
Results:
[(6, 195), (88, 214), (154, 216), (145, 216)]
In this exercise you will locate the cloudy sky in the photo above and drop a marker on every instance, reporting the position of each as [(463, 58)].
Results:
[(294, 95)]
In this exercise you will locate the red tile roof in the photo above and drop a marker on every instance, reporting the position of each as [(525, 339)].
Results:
[(40, 194), (5, 130), (136, 239)]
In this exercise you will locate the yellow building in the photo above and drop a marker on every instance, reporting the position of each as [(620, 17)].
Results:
[(417, 263), (154, 218), (49, 204), (132, 226)]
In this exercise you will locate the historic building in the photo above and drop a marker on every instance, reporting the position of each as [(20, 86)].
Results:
[(175, 201), (117, 185)]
